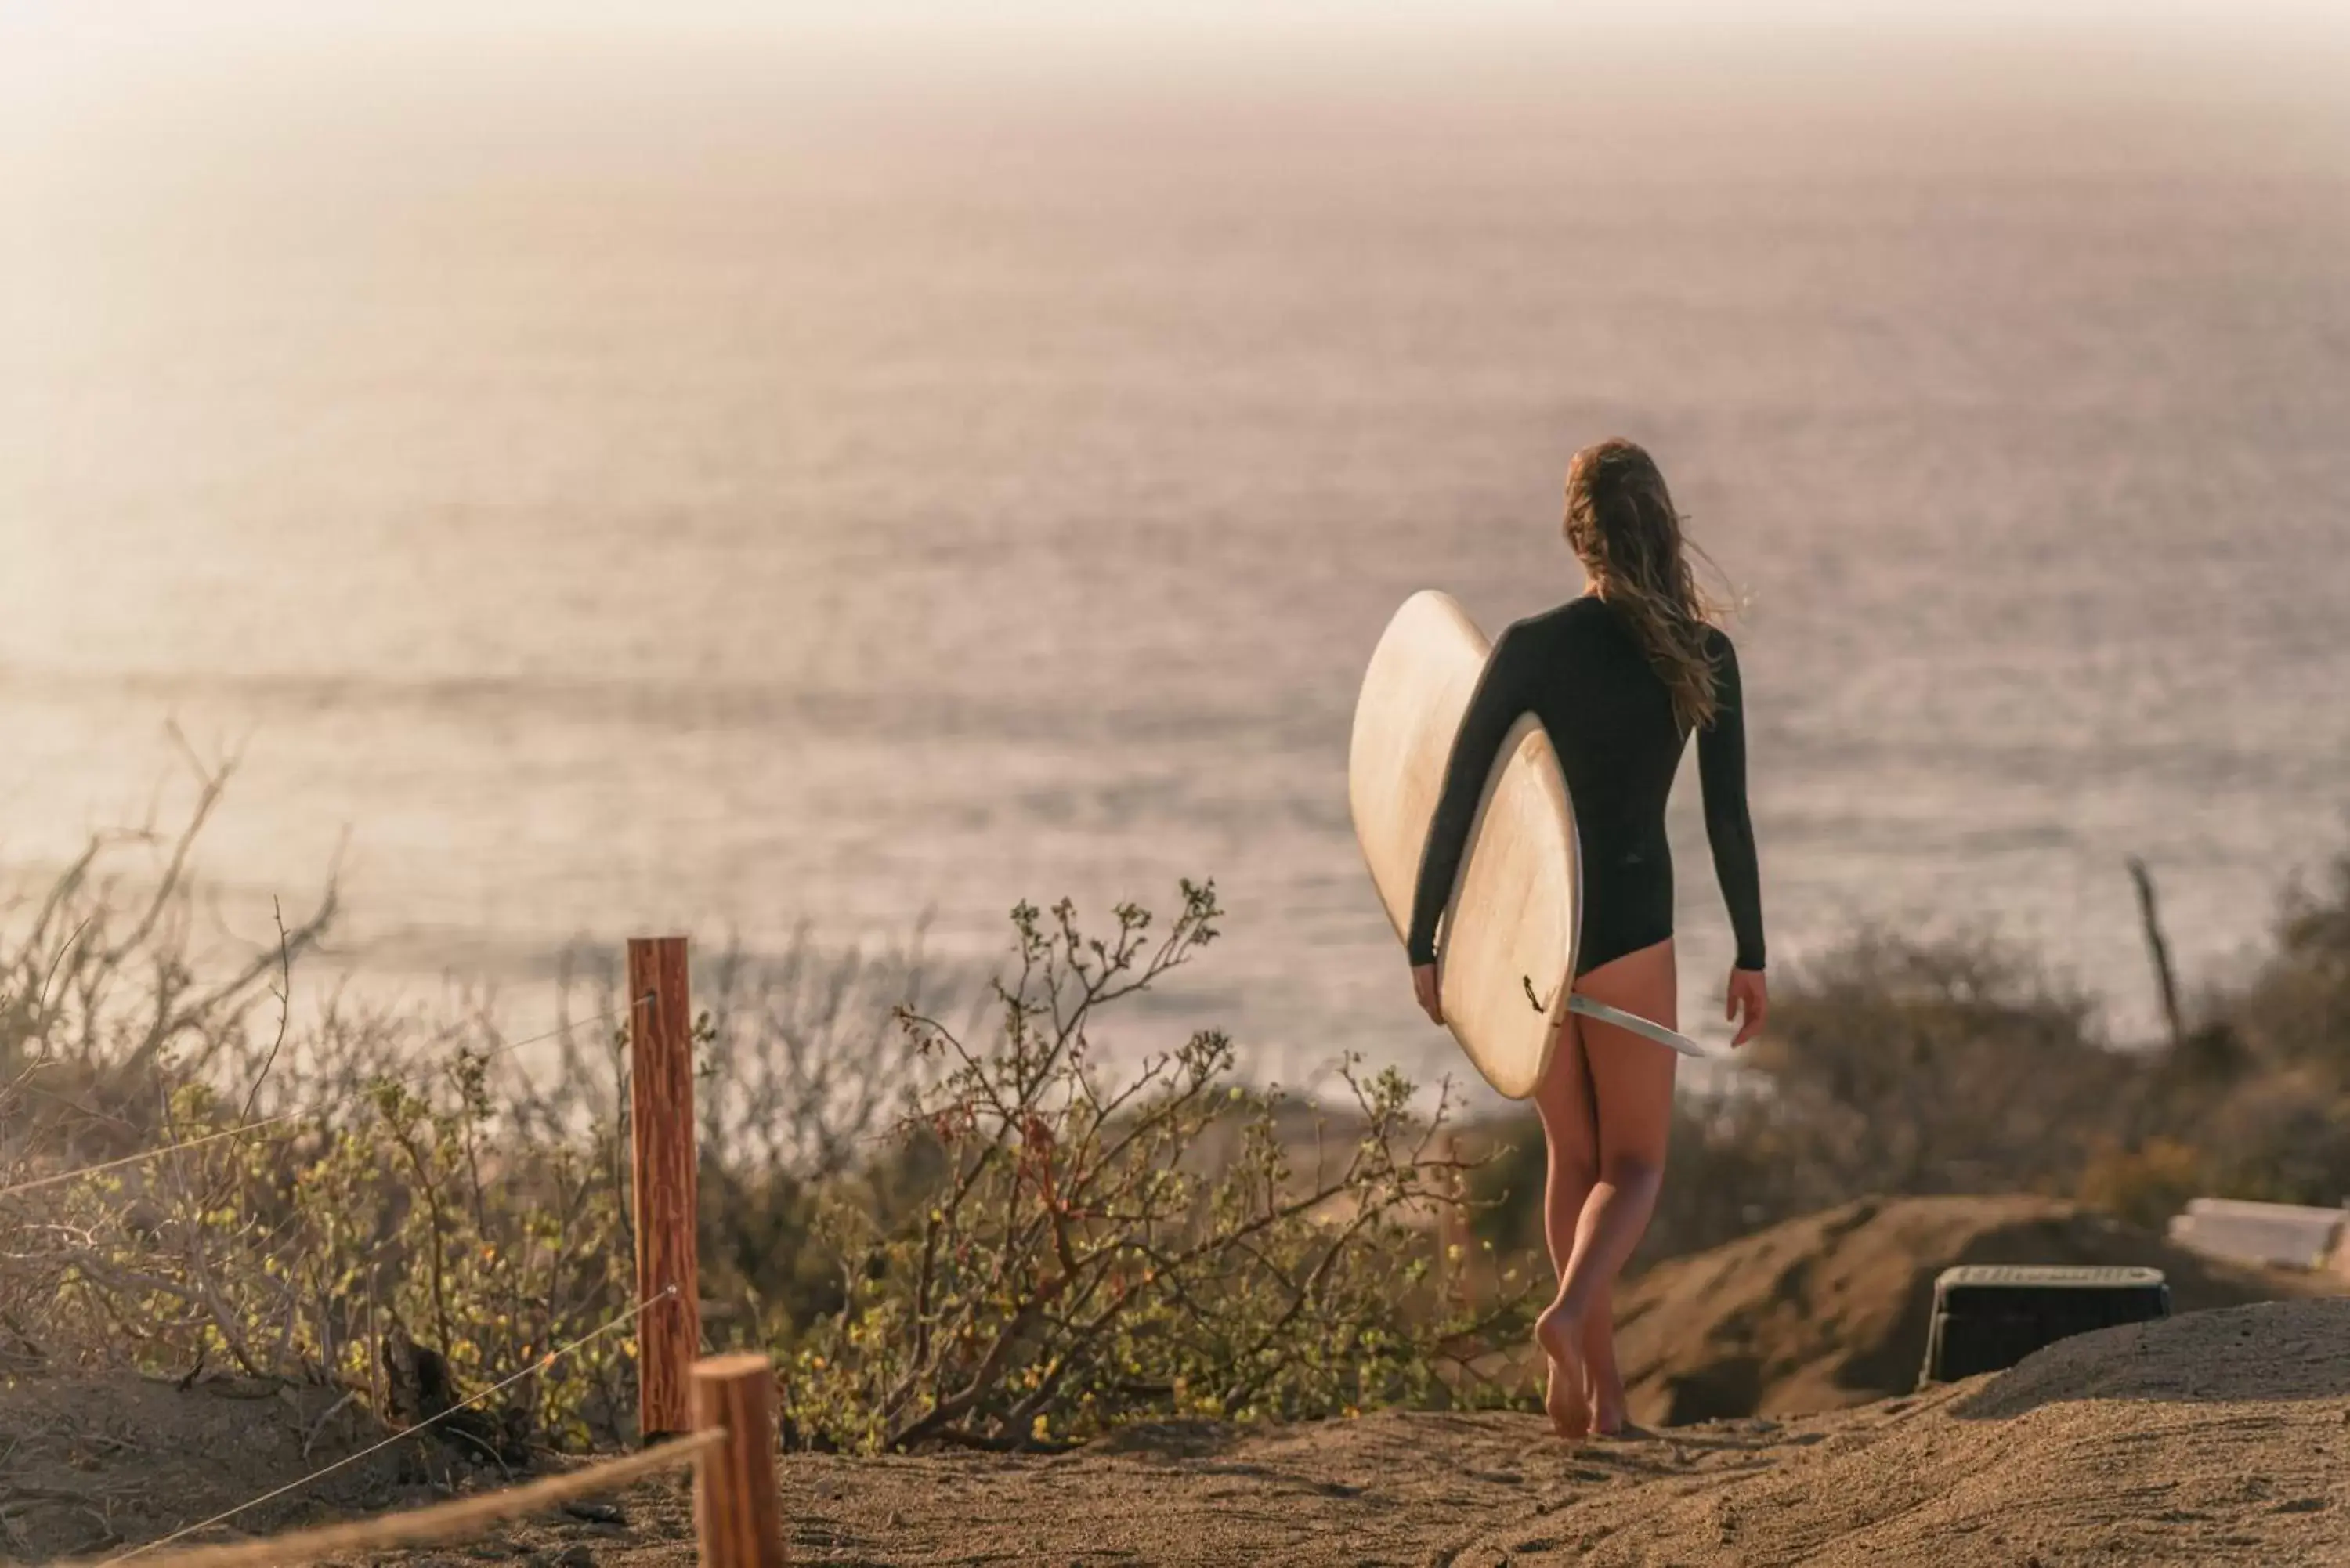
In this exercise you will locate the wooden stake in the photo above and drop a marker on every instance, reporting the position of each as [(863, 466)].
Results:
[(737, 1510), (2158, 950), (660, 1101)]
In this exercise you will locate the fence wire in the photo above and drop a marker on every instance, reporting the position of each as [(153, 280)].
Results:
[(441, 1522)]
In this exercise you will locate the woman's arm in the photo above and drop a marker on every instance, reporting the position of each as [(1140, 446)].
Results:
[(1499, 698), (1722, 774)]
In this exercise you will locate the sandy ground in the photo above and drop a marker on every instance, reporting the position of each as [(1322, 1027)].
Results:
[(2215, 1437), (2221, 1437), (88, 1465)]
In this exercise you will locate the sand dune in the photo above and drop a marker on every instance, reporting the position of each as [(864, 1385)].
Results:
[(1831, 1309)]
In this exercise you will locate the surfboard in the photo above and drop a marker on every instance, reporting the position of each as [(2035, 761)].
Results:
[(1506, 946)]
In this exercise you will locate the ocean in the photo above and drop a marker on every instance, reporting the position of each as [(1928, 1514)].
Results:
[(620, 508)]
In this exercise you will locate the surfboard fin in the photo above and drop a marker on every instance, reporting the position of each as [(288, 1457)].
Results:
[(1618, 1017), (1644, 1027)]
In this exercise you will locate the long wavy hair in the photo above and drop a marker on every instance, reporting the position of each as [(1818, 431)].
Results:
[(1621, 523)]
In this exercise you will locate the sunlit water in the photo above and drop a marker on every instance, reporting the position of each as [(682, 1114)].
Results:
[(846, 518)]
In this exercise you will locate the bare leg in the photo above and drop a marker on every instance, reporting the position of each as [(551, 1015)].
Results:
[(1631, 1082), (1595, 1376), (1570, 1134)]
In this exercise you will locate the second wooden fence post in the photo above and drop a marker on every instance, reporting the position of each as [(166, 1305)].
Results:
[(737, 1512), (661, 1102)]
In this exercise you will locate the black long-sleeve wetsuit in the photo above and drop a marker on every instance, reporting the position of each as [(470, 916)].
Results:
[(1611, 719)]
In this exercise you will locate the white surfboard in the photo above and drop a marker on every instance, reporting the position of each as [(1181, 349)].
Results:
[(1507, 943)]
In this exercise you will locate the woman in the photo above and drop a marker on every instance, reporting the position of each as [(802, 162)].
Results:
[(1619, 678)]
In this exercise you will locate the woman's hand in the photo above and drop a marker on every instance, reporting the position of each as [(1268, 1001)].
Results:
[(1423, 986), (1747, 994)]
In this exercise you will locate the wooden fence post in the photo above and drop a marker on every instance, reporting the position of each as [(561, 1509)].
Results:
[(2158, 950), (737, 1512), (661, 1102)]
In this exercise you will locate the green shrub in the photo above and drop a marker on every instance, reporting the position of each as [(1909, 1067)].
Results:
[(1066, 1270)]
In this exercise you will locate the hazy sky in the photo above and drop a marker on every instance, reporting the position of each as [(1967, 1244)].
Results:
[(68, 66), (45, 38)]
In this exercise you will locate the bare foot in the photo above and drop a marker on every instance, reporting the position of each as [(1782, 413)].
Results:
[(1607, 1395), (1569, 1417), (1561, 1339)]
